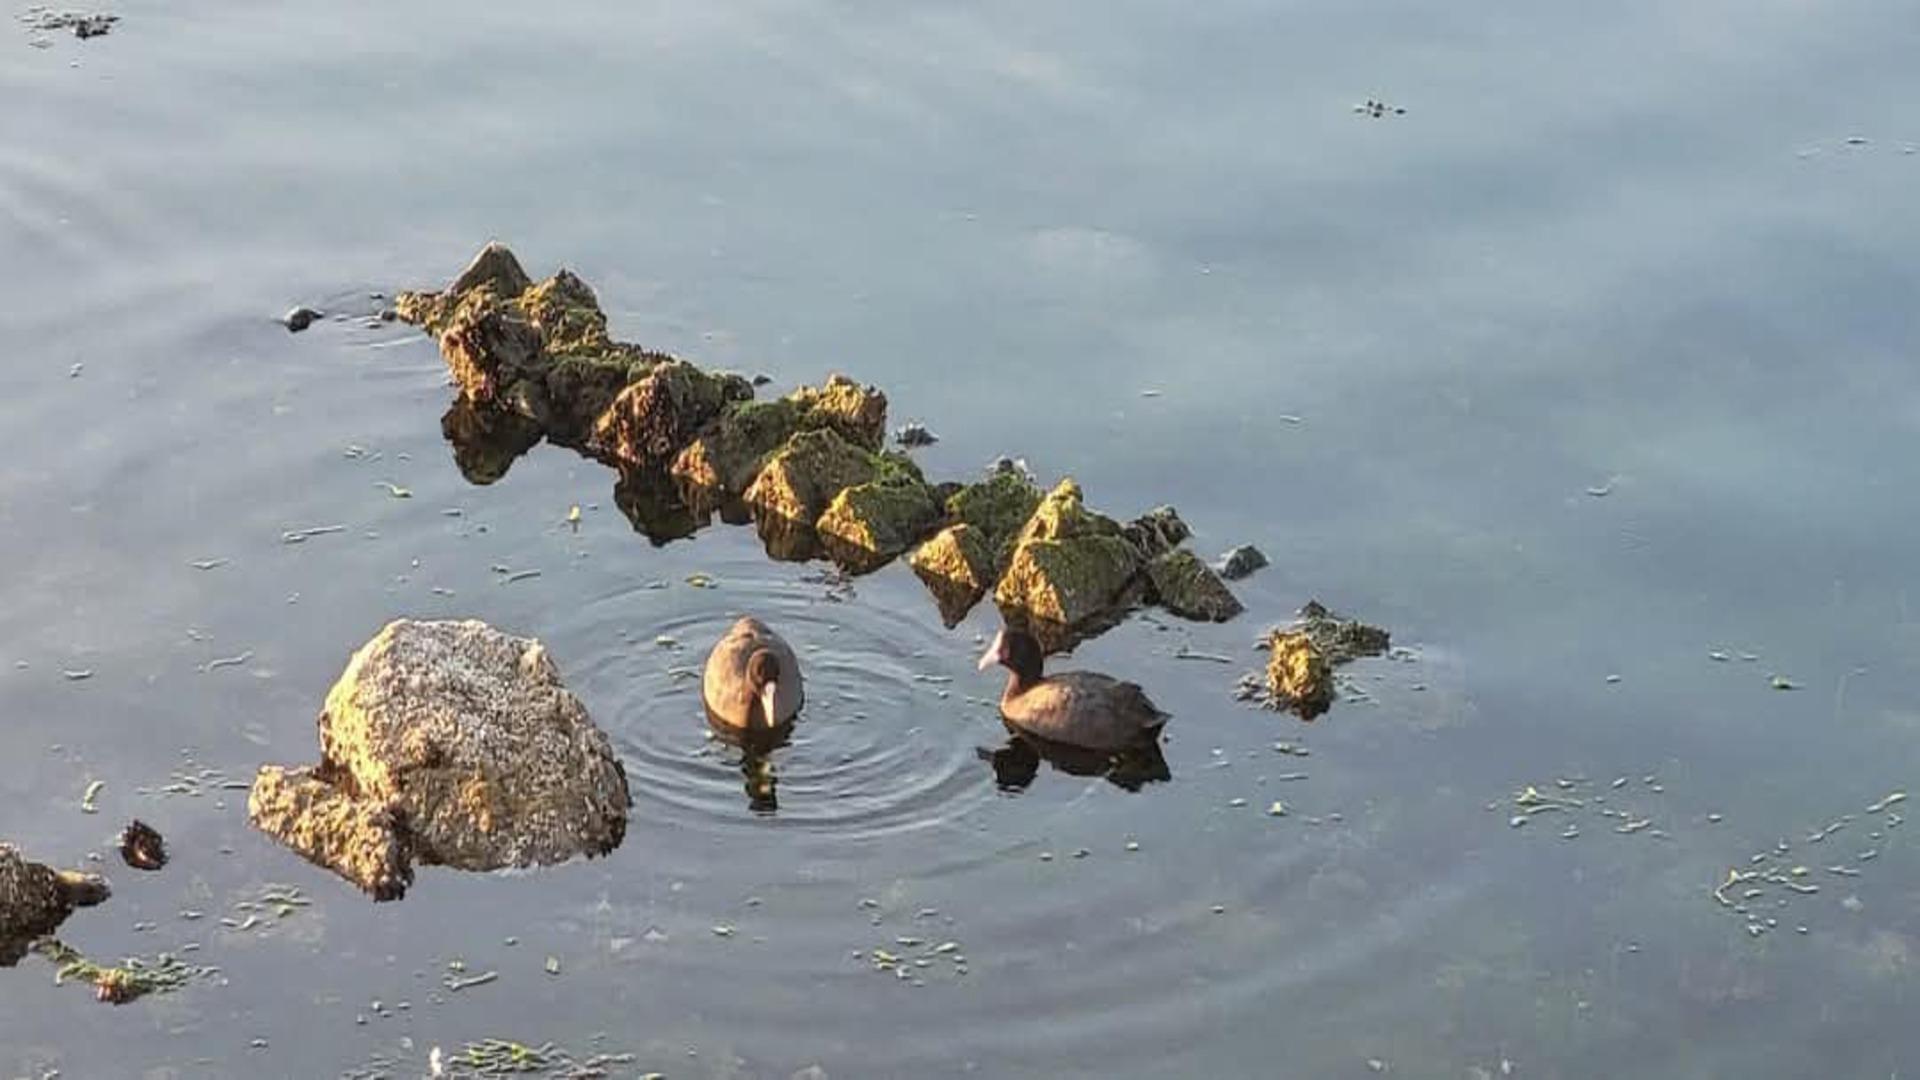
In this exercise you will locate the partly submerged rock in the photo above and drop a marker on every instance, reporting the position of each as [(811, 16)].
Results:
[(1303, 656), (448, 743), (36, 899), (800, 479), (1157, 532), (724, 461), (1241, 562), (962, 561), (309, 811), (1181, 583), (868, 525), (537, 349), (1070, 567), (649, 421)]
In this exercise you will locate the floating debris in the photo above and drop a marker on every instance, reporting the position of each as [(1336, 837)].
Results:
[(134, 977), (300, 536), (573, 517), (208, 564), (519, 575), (86, 801), (1891, 800), (1278, 809), (1376, 110), (457, 983), (76, 674), (142, 847), (227, 661), (702, 581), (394, 489), (1781, 682)]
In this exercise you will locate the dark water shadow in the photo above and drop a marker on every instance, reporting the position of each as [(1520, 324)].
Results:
[(759, 777)]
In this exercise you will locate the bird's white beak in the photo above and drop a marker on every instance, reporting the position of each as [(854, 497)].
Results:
[(992, 655), (767, 694)]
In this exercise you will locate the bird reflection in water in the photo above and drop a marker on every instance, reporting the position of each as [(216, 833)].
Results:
[(757, 772), (1130, 768)]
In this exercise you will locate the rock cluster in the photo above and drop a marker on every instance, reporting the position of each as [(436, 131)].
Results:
[(811, 470)]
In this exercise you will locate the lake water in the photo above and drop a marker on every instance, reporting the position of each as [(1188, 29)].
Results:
[(1629, 251)]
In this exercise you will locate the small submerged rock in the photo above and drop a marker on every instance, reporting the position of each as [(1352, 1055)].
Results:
[(300, 318), (1303, 656), (447, 743), (914, 435), (1241, 562), (36, 899)]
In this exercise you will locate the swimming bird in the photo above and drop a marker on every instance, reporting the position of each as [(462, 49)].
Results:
[(1078, 708), (752, 681)]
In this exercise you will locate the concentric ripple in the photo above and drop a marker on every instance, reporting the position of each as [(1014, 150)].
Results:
[(882, 746)]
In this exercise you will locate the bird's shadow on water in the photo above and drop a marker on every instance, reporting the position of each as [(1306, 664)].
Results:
[(1016, 763)]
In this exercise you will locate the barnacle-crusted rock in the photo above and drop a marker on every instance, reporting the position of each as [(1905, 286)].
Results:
[(961, 562), (454, 744), (362, 840), (1181, 583), (36, 899), (650, 420), (1300, 669), (1070, 565)]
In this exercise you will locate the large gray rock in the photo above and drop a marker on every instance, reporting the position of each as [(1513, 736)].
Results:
[(449, 743)]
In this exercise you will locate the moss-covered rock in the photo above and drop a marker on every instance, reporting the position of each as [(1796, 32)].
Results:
[(1070, 566), (36, 899), (1299, 675), (1300, 669), (454, 744), (867, 525), (1181, 583), (958, 566), (724, 460), (801, 478), (653, 418), (962, 561)]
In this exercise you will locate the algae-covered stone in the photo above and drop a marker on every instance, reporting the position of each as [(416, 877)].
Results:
[(802, 477), (727, 457), (867, 525), (958, 566), (1189, 588), (362, 840), (1300, 669), (1069, 566), (650, 420), (961, 562), (493, 271), (453, 743), (36, 899), (1299, 675)]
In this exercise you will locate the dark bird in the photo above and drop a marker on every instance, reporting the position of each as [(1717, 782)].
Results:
[(752, 681), (1077, 708)]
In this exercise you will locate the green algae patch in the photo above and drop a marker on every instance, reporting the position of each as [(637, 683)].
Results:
[(132, 978)]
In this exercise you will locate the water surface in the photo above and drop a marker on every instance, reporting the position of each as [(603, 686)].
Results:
[(1631, 251)]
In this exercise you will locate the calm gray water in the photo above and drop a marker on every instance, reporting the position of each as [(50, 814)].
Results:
[(1625, 249)]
